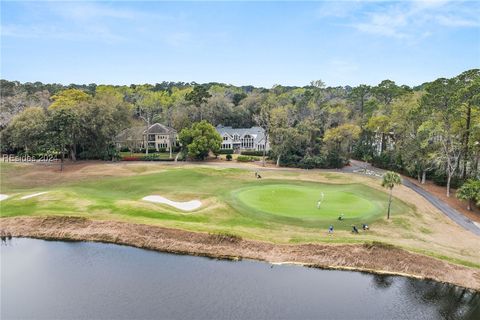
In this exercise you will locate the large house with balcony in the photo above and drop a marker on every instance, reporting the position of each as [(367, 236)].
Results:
[(156, 137), (243, 139)]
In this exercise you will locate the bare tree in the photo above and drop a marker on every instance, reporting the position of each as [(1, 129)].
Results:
[(262, 119)]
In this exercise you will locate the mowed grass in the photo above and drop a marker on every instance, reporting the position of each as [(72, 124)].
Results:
[(232, 198), (299, 202)]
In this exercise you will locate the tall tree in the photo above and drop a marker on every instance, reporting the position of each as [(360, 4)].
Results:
[(27, 129), (341, 138), (149, 104), (386, 91), (74, 101), (442, 125), (60, 122), (263, 120), (468, 96), (198, 97), (359, 96)]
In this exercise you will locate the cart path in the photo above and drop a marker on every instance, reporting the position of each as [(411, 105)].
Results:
[(453, 214)]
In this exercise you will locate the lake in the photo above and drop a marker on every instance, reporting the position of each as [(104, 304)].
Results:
[(81, 280)]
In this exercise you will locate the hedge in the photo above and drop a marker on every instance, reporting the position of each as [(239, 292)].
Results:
[(245, 159), (253, 153), (146, 158), (225, 151)]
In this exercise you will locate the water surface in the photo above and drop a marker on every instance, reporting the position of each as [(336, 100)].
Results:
[(79, 280)]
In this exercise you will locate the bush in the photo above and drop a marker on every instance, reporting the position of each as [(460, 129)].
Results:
[(290, 160), (252, 153), (124, 149), (225, 151), (311, 162), (229, 157), (335, 160), (245, 159), (440, 179)]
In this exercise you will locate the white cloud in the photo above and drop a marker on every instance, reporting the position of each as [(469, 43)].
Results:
[(415, 20), (452, 21)]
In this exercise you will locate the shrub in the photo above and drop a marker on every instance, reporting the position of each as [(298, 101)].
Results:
[(335, 160), (245, 159), (311, 162), (440, 179), (229, 157), (252, 153), (124, 149), (225, 151)]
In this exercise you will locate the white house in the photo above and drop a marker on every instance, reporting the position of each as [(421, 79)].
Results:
[(243, 139)]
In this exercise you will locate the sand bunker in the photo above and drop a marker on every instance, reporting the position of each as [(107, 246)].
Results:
[(3, 197), (33, 195), (184, 206)]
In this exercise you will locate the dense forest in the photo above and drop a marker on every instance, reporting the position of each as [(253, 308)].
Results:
[(429, 131)]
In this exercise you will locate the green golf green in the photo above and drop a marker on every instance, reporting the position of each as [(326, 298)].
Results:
[(311, 201)]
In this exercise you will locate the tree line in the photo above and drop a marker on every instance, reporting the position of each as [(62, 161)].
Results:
[(429, 131)]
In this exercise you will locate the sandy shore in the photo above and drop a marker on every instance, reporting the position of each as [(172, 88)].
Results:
[(370, 258)]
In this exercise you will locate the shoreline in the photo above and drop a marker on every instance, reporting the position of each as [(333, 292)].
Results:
[(374, 258)]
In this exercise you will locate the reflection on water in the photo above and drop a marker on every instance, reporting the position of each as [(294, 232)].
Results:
[(45, 280), (450, 302)]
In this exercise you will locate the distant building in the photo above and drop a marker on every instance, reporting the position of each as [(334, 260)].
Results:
[(158, 137), (243, 139)]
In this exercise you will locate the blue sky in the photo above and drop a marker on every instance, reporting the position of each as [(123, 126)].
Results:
[(242, 43)]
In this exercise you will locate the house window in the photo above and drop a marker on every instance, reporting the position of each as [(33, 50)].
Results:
[(235, 137), (247, 142), (225, 138), (151, 137)]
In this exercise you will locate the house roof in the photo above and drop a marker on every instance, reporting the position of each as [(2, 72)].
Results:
[(257, 133), (136, 133), (160, 128)]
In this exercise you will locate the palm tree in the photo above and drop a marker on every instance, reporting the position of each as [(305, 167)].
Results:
[(390, 180)]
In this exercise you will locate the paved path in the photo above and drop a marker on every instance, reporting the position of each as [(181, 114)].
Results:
[(439, 204), (445, 208)]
